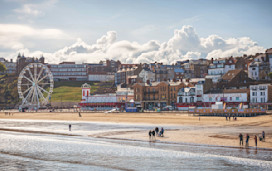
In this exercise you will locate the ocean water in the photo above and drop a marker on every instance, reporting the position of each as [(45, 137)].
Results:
[(51, 147)]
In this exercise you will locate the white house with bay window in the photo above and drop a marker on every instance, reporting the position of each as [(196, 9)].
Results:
[(260, 93), (187, 95)]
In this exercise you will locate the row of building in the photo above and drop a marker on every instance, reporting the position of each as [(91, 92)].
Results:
[(257, 67), (181, 96), (202, 82)]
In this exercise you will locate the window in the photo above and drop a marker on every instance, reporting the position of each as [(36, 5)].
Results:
[(262, 93), (210, 99), (230, 98), (180, 100), (237, 98)]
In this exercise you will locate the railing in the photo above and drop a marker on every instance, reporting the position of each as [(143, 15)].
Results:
[(151, 92)]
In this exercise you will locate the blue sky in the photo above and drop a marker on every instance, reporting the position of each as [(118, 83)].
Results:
[(49, 26)]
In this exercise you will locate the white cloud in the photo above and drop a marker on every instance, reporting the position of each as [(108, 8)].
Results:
[(12, 35), (185, 44), (28, 11)]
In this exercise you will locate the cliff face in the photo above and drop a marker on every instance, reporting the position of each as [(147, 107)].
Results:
[(8, 91)]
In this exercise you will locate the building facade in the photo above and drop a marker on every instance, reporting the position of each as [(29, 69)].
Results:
[(100, 76), (261, 93), (147, 74), (69, 71), (23, 61), (232, 97), (156, 94), (259, 68), (219, 67), (10, 65)]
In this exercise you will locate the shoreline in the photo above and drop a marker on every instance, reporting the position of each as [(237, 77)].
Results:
[(210, 131)]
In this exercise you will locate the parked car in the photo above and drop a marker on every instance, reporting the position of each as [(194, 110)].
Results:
[(168, 108), (114, 110)]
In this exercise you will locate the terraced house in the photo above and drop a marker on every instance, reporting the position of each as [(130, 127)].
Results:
[(156, 94)]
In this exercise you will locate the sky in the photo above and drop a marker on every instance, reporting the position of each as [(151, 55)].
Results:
[(134, 31)]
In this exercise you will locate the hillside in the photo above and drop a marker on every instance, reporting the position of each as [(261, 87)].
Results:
[(8, 91), (69, 91), (64, 91)]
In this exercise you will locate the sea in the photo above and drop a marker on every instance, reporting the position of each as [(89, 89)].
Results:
[(49, 145)]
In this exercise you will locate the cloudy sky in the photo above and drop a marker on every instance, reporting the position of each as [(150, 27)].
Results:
[(134, 31)]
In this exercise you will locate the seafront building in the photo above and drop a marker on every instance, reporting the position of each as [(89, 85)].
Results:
[(198, 83), (156, 94), (260, 95), (69, 71)]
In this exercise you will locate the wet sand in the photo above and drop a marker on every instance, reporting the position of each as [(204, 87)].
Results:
[(207, 130)]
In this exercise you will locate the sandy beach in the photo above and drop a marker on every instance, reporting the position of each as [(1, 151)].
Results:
[(207, 130)]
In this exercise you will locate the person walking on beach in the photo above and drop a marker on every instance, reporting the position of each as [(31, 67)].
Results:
[(157, 131), (256, 139), (79, 114), (263, 133), (150, 134), (153, 134), (241, 139), (161, 132), (247, 139), (70, 127)]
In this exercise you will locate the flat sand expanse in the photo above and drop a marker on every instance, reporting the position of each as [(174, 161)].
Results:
[(203, 130)]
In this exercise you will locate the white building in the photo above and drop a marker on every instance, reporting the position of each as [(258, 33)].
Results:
[(69, 71), (260, 93), (253, 70), (269, 54), (147, 75), (100, 77), (199, 92), (219, 67), (187, 95), (228, 95), (259, 68), (10, 65)]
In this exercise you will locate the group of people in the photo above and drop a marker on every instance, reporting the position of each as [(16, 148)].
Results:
[(155, 132), (229, 117), (261, 138), (8, 114)]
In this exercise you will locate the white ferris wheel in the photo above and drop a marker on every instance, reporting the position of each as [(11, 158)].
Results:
[(35, 85)]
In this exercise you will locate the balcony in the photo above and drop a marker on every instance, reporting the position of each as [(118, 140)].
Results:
[(150, 99), (151, 92)]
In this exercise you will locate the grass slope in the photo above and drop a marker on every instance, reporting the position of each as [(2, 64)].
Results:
[(69, 91)]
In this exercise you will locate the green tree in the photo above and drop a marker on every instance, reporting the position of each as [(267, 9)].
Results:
[(270, 75), (2, 67)]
